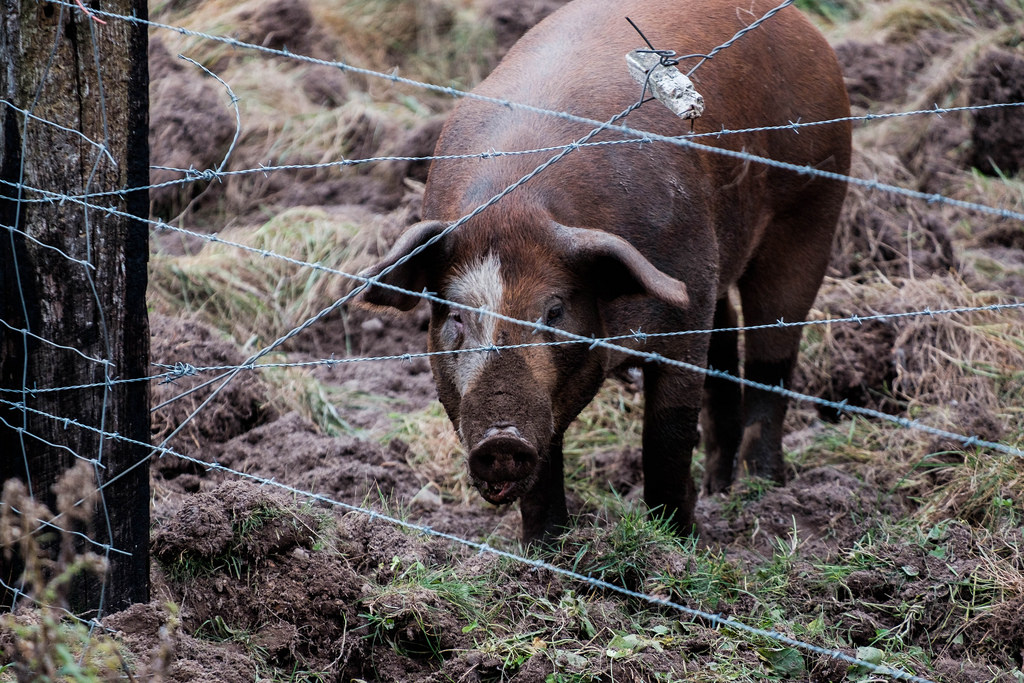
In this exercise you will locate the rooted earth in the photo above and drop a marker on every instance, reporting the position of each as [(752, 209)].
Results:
[(296, 517)]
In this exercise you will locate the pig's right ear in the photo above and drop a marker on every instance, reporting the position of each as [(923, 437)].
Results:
[(411, 275)]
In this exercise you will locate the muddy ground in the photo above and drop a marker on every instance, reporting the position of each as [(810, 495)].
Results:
[(304, 583), (305, 607)]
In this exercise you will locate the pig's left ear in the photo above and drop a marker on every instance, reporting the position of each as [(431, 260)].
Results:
[(412, 274), (615, 267)]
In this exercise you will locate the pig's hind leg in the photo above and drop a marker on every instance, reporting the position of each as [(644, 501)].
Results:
[(720, 418)]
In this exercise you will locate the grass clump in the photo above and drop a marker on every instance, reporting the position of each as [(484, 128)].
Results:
[(435, 452), (423, 611), (323, 404), (257, 299), (626, 553)]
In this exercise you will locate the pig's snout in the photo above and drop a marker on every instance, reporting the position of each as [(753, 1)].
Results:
[(503, 464)]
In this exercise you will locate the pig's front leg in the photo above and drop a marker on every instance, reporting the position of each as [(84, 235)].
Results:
[(671, 413), (543, 507)]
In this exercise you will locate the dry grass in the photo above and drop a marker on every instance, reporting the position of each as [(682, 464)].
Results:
[(970, 359), (440, 41), (293, 112), (436, 454), (256, 299)]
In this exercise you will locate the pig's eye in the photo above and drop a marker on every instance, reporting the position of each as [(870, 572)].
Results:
[(456, 318), (554, 314)]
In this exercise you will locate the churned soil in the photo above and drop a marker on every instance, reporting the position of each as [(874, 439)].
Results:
[(256, 567)]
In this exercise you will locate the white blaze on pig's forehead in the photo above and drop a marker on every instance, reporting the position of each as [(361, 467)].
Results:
[(477, 284)]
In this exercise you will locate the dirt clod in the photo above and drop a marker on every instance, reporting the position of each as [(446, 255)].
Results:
[(998, 134)]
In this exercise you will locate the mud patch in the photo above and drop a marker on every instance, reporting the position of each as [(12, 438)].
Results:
[(998, 134), (881, 232), (242, 405), (892, 362), (927, 575), (282, 25), (820, 512), (263, 583), (855, 366), (249, 570), (883, 72), (178, 656), (343, 468)]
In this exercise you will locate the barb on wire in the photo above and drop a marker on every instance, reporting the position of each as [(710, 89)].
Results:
[(718, 620), (180, 369)]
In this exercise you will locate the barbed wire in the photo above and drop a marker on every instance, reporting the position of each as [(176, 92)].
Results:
[(317, 266), (183, 369), (719, 620), (840, 407), (876, 185), (192, 175), (682, 141), (234, 105)]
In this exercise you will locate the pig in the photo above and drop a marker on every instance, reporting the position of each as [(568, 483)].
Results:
[(625, 238)]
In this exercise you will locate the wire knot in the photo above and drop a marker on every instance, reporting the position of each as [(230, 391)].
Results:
[(178, 371)]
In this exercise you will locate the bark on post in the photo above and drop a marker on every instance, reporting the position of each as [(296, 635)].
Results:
[(74, 275)]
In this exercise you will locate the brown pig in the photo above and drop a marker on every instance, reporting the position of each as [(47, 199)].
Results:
[(630, 237)]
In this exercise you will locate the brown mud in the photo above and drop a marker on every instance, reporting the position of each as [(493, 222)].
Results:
[(307, 581), (307, 584)]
